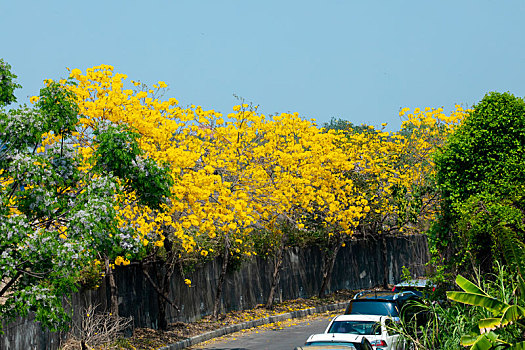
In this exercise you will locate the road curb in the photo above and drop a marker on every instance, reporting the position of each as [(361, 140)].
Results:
[(251, 324)]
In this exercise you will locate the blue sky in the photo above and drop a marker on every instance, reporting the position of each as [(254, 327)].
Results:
[(356, 60)]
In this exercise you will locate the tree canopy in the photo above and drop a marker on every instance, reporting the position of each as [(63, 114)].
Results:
[(59, 213), (113, 172), (481, 176)]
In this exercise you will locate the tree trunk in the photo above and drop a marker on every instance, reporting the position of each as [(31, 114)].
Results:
[(328, 266), (162, 290), (384, 258), (277, 263), (8, 285), (162, 283), (162, 321), (112, 288), (218, 294)]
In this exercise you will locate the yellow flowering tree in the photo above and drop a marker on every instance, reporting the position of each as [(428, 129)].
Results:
[(244, 171), (289, 169), (395, 169), (124, 149), (396, 172), (311, 185), (203, 202)]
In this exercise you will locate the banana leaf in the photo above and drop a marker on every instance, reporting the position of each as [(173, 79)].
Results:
[(489, 324), (484, 301), (521, 286), (509, 315), (512, 314), (468, 286), (480, 343), (469, 339)]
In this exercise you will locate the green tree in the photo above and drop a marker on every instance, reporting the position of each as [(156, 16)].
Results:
[(7, 84), (486, 153), (481, 165), (56, 218)]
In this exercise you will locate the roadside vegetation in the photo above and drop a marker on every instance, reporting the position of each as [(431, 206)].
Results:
[(99, 171), (478, 239)]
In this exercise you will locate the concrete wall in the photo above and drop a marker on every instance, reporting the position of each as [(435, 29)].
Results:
[(358, 265)]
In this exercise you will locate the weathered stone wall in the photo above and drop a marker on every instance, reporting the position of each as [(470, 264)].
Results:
[(24, 333), (359, 264)]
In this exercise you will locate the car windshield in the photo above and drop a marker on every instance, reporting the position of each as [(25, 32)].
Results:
[(373, 308), (356, 327)]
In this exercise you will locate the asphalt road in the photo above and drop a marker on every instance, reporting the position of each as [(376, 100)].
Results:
[(285, 336)]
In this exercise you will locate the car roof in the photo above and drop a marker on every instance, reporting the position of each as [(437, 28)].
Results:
[(375, 294), (330, 346), (384, 295), (359, 317), (335, 337)]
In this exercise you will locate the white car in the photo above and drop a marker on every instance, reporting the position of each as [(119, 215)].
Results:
[(336, 341), (379, 330)]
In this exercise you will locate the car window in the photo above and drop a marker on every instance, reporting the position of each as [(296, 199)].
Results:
[(417, 291), (373, 308), (376, 330), (356, 327)]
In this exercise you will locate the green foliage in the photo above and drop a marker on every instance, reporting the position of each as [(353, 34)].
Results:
[(342, 125), (267, 243), (60, 109), (481, 176), (7, 84), (91, 275), (487, 152), (406, 275), (409, 202), (489, 303), (505, 324), (338, 124), (117, 149), (20, 129), (482, 179), (486, 223), (503, 297), (56, 217), (37, 263), (474, 295), (119, 153), (446, 323)]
